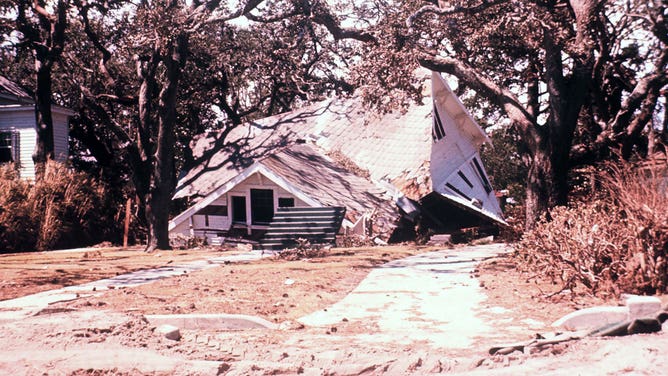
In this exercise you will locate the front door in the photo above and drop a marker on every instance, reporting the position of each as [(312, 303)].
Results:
[(262, 206), (239, 209)]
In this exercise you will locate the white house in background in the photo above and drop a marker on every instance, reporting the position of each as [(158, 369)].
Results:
[(387, 171), (18, 130)]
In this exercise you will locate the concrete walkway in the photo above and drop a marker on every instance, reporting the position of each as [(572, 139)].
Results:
[(430, 297), (15, 309)]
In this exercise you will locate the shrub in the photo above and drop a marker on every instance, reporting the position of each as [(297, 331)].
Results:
[(615, 241), (64, 209), (303, 250), (17, 227)]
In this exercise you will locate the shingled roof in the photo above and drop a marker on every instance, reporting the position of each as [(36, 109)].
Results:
[(313, 177), (11, 90), (392, 148)]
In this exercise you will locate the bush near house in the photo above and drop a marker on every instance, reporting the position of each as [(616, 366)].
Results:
[(65, 209), (611, 242)]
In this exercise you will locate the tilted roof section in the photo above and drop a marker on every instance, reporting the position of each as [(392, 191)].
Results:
[(323, 179), (445, 97), (393, 147)]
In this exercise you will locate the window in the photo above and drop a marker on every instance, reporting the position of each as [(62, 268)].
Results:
[(466, 180), (286, 202), (9, 146), (457, 191), (437, 132), (482, 176), (220, 210)]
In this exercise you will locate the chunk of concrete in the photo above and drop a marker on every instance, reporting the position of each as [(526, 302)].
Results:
[(212, 321), (592, 318), (169, 331), (642, 306)]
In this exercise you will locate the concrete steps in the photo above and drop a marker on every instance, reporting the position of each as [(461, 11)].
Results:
[(318, 225)]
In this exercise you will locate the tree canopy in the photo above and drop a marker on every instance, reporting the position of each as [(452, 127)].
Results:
[(576, 80)]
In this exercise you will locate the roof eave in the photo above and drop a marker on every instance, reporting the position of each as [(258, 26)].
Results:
[(438, 80)]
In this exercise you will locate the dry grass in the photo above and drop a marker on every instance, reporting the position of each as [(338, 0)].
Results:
[(64, 209), (612, 242)]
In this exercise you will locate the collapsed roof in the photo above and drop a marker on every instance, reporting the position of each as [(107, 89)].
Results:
[(314, 178), (399, 155), (391, 148)]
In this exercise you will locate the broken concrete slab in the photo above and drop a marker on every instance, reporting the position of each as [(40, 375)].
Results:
[(169, 331), (211, 321), (637, 307), (642, 306), (592, 318)]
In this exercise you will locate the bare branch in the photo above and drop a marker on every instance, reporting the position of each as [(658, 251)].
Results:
[(323, 17), (481, 84), (282, 16), (633, 102), (452, 10)]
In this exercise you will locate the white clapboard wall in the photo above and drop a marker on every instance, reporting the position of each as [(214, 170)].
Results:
[(456, 168)]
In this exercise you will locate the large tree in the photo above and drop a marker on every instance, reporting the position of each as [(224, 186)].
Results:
[(575, 78), (193, 70), (41, 28)]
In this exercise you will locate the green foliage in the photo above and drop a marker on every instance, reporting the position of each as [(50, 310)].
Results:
[(65, 209), (504, 163), (612, 242)]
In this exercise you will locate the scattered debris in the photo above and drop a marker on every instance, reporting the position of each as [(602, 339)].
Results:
[(651, 324), (169, 331)]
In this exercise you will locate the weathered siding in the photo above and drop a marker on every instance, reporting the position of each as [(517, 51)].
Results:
[(258, 181), (60, 137), (22, 120), (199, 226), (27, 142), (182, 228), (451, 152)]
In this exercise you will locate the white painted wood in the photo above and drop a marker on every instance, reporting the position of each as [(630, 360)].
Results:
[(182, 228), (241, 186), (60, 137), (455, 158), (22, 118)]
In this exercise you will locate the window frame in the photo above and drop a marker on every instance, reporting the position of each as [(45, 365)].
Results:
[(12, 136)]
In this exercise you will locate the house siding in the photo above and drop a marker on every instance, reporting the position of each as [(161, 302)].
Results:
[(217, 222), (23, 120), (182, 228), (260, 182), (224, 223), (60, 137)]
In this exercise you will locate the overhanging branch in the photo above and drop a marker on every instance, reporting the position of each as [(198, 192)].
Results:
[(433, 9)]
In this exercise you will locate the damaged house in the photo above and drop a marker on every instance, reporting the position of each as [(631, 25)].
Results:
[(334, 168)]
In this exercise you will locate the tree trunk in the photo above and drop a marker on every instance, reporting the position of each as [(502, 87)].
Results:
[(547, 185), (163, 173), (44, 149)]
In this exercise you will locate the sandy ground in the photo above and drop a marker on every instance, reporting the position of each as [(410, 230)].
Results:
[(107, 334)]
